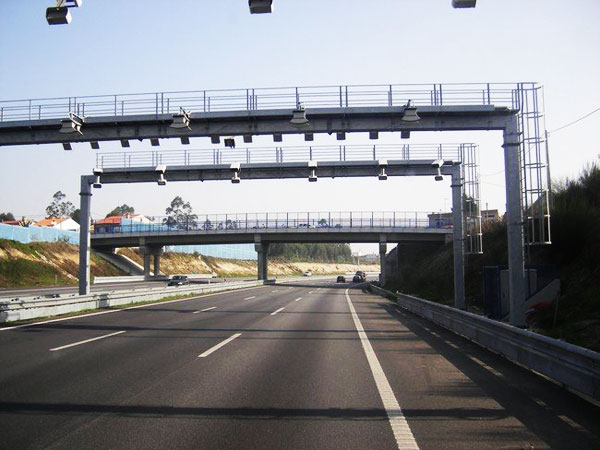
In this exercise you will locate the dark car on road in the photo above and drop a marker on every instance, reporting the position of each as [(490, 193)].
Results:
[(341, 279), (178, 280), (358, 278)]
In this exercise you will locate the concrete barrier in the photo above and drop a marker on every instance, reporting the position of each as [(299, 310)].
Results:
[(574, 367)]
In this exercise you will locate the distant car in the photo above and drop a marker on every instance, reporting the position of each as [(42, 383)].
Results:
[(308, 273), (341, 279), (357, 279), (178, 280)]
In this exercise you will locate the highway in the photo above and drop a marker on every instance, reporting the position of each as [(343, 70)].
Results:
[(305, 365)]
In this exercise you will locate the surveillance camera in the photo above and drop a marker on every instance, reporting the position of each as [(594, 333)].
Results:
[(437, 163)]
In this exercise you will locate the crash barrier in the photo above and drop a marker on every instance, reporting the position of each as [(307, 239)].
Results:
[(574, 367), (34, 307)]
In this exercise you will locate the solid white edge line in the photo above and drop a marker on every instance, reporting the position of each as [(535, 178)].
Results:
[(219, 345), (404, 437), (275, 312), (298, 299), (86, 341), (250, 298), (128, 308)]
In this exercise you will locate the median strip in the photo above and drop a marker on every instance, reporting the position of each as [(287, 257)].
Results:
[(275, 312), (86, 341), (219, 345)]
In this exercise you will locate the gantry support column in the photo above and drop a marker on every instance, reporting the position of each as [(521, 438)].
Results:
[(382, 253), (457, 237), (262, 248), (514, 212), (85, 201)]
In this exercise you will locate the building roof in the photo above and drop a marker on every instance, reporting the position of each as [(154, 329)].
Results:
[(51, 221), (116, 220)]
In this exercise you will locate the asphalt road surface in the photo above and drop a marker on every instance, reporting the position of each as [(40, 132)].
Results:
[(310, 365)]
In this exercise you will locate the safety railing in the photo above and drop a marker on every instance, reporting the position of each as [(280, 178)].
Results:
[(292, 221), (250, 99), (208, 156)]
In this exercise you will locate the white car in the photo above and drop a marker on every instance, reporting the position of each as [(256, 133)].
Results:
[(308, 273)]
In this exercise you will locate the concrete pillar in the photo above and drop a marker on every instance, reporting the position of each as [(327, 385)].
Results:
[(514, 213), (262, 248), (458, 237), (146, 265), (85, 200), (157, 253), (382, 253)]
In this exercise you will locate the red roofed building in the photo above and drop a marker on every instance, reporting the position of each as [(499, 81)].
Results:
[(60, 223)]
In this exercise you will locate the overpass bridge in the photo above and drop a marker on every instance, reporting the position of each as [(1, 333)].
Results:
[(266, 228)]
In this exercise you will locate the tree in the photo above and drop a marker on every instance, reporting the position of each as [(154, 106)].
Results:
[(121, 210), (76, 215), (6, 217), (180, 213), (59, 206)]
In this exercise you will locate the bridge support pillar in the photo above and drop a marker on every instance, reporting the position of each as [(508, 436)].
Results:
[(457, 237), (262, 248), (382, 265), (514, 212), (85, 200), (148, 252)]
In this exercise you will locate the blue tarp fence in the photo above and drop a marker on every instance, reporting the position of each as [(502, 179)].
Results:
[(37, 234)]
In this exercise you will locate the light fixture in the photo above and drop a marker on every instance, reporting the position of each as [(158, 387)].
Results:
[(410, 113), (154, 142), (229, 142), (67, 146), (124, 143), (59, 14), (260, 6), (95, 145), (341, 136), (299, 119), (247, 139), (97, 172), (160, 170), (72, 124), (382, 166), (312, 165), (437, 164), (235, 168), (277, 137), (464, 3), (185, 140), (373, 135), (215, 139), (181, 120), (405, 134)]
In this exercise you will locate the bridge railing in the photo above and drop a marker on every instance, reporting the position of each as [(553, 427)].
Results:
[(208, 156), (313, 221), (249, 99)]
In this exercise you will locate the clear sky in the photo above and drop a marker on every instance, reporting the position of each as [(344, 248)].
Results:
[(131, 46)]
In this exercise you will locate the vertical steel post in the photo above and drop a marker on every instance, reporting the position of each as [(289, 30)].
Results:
[(457, 238), (85, 201), (514, 212)]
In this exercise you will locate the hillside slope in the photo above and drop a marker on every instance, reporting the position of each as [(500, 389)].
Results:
[(47, 264)]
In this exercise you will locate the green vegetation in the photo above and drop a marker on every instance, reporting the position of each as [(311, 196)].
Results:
[(339, 253), (575, 251), (121, 210)]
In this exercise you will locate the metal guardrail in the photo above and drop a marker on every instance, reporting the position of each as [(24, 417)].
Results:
[(251, 99), (190, 157), (309, 221), (575, 367)]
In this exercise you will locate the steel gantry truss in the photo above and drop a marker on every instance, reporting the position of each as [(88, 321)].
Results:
[(515, 109)]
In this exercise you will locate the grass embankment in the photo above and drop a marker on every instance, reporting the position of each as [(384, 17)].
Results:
[(575, 251), (45, 264)]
